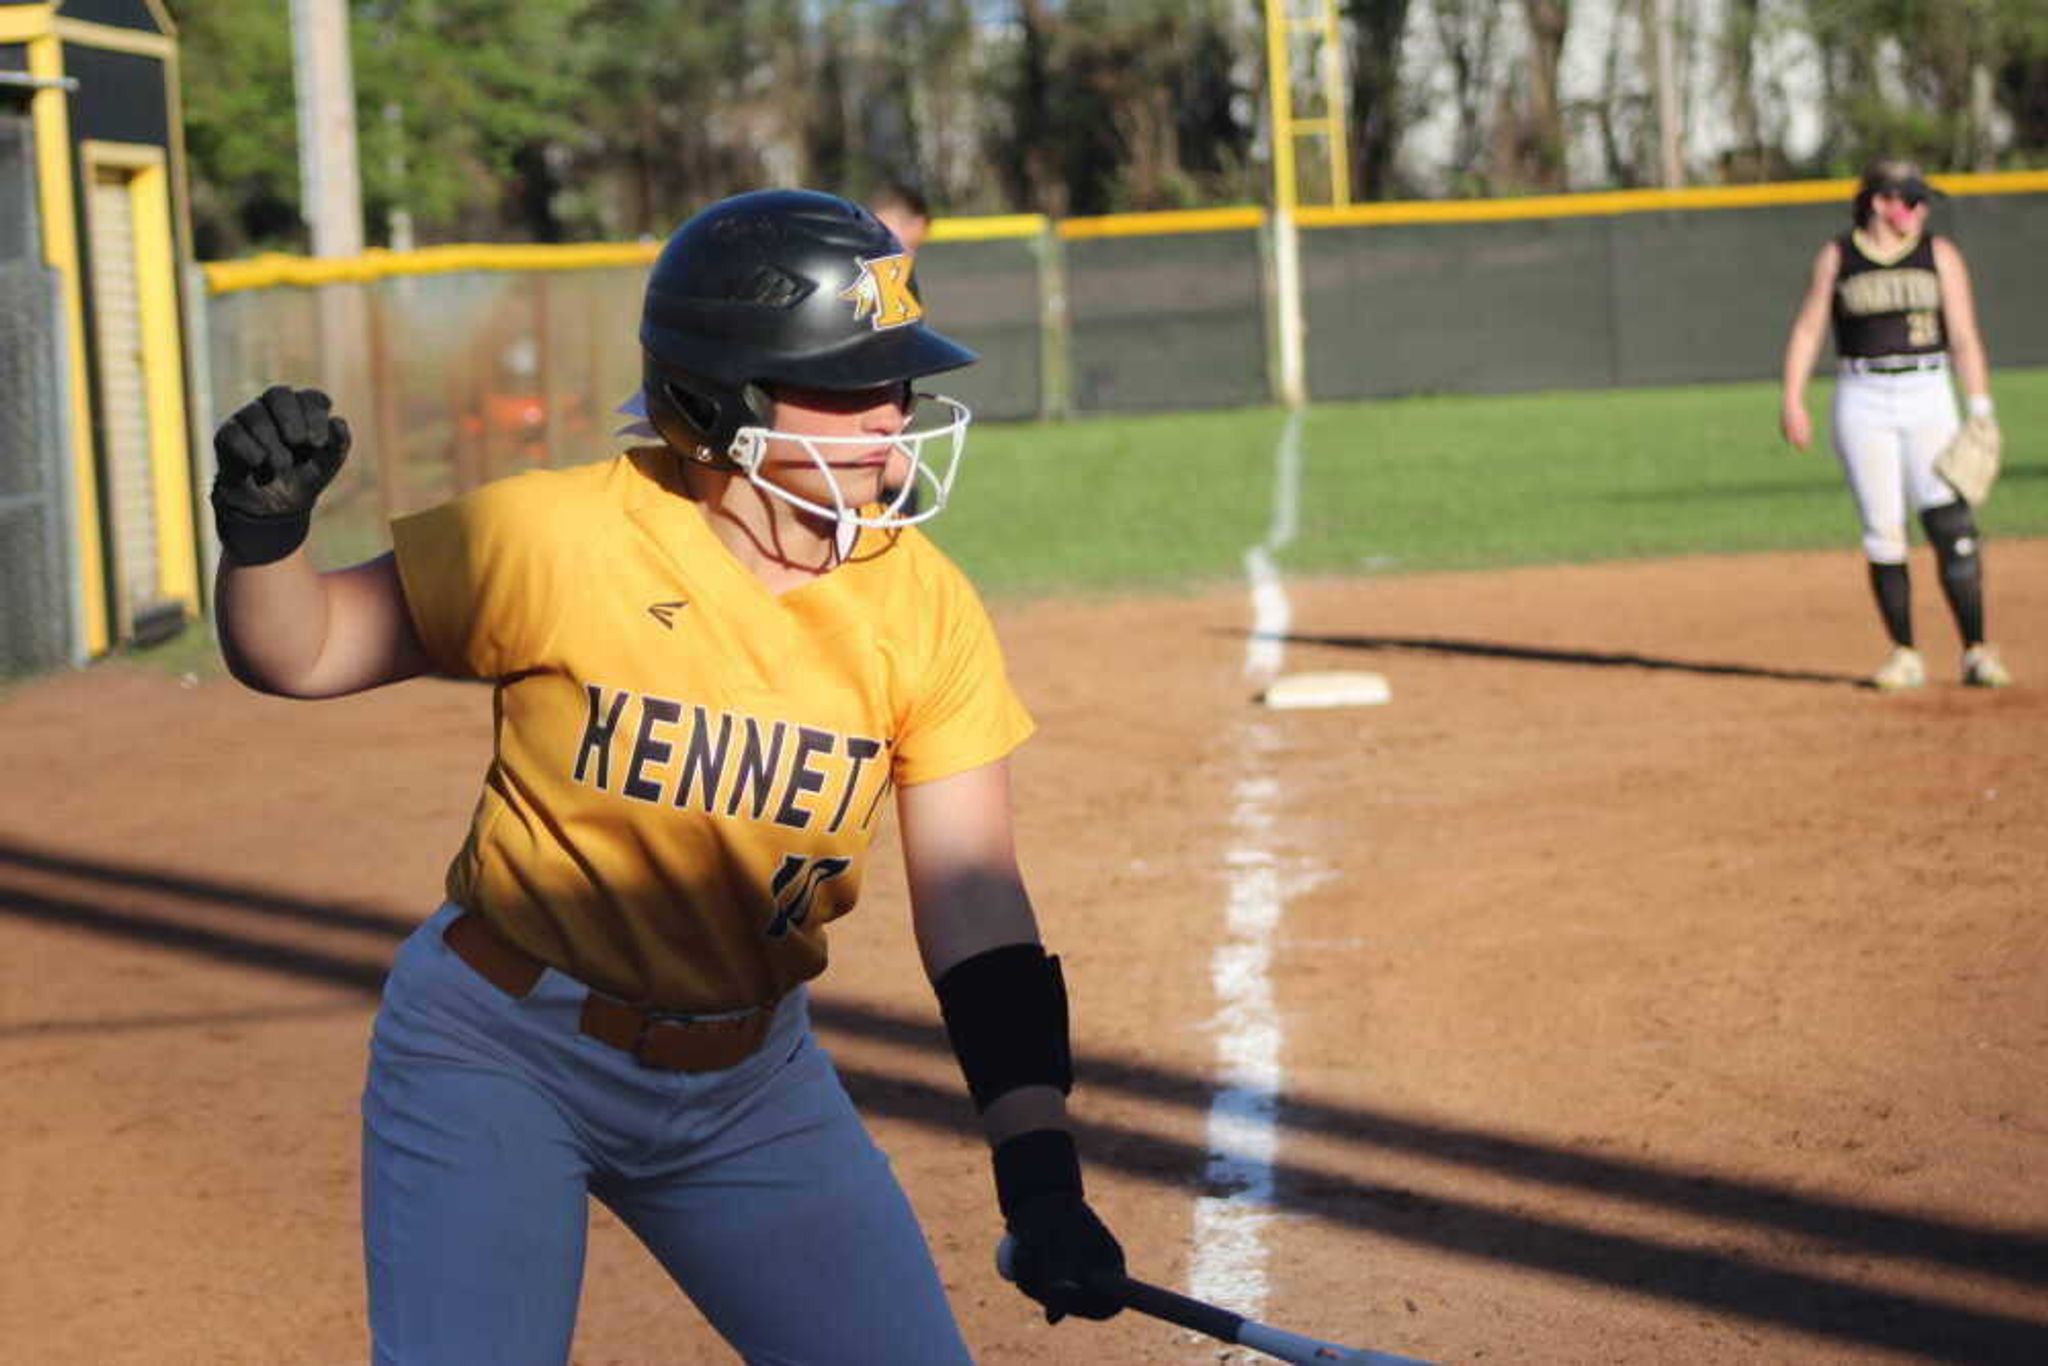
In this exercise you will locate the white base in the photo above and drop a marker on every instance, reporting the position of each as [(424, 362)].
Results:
[(1342, 688)]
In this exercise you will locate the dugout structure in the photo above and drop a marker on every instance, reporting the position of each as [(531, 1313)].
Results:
[(98, 533)]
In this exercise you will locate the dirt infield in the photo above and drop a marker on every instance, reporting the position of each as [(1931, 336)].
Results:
[(1650, 992)]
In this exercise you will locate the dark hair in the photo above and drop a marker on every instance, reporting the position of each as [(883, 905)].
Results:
[(898, 194)]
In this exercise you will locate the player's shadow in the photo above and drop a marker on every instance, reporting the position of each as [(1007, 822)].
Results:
[(1683, 1269), (1548, 654), (1709, 1262)]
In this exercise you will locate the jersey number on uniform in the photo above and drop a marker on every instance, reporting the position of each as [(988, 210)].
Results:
[(795, 883)]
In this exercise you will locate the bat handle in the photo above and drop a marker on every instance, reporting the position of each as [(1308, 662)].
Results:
[(1219, 1323), (1160, 1303)]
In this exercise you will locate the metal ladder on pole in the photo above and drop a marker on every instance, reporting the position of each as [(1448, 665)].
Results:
[(1305, 53)]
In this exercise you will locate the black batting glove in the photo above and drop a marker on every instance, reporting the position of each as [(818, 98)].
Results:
[(271, 460), (1061, 1254)]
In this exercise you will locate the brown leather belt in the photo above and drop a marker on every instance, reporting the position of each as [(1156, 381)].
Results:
[(670, 1043)]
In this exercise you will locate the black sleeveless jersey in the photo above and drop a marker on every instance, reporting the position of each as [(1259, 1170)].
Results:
[(1888, 308)]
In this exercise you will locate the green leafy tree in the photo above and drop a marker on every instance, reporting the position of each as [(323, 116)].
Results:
[(1923, 78), (241, 134), (689, 100), (462, 109), (1131, 104), (1381, 105)]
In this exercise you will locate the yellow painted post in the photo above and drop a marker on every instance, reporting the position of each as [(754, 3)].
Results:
[(1280, 93), (1282, 27), (164, 375), (1337, 139)]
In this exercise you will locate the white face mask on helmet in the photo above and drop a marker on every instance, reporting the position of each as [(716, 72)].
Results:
[(930, 476), (927, 479)]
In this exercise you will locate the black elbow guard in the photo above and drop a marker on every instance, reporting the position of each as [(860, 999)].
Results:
[(1006, 1013)]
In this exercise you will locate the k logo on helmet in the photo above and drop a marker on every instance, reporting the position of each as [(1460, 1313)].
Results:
[(882, 294)]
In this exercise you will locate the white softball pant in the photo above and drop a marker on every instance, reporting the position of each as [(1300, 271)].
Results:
[(1887, 431), (488, 1122)]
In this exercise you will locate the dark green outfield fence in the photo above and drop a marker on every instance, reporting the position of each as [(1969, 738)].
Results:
[(466, 363), (1621, 299), (990, 295), (1164, 323)]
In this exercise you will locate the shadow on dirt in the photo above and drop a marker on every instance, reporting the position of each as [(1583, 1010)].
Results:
[(249, 926), (1599, 659)]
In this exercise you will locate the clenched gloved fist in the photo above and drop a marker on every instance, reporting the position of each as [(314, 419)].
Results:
[(1061, 1254), (272, 459)]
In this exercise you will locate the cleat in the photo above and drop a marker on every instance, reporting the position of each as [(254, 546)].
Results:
[(1982, 668), (1902, 669)]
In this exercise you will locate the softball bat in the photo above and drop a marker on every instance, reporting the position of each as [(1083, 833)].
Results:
[(1225, 1326)]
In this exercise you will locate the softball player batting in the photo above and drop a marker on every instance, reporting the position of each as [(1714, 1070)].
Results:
[(1901, 306), (713, 658)]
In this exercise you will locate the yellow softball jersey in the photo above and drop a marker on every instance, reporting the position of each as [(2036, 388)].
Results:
[(688, 767)]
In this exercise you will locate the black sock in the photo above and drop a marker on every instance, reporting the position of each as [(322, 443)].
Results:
[(1962, 581), (1894, 592)]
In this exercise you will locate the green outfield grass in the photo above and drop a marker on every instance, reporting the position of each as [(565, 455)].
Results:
[(1173, 502)]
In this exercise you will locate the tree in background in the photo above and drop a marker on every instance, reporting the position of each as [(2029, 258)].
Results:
[(460, 107), (1754, 154), (1136, 104), (1467, 47), (241, 135), (1529, 144), (499, 79), (1380, 102), (1921, 79), (2021, 78), (546, 120), (687, 101)]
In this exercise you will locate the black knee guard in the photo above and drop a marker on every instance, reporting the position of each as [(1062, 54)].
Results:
[(1952, 531)]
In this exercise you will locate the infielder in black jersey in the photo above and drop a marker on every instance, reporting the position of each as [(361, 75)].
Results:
[(1900, 302)]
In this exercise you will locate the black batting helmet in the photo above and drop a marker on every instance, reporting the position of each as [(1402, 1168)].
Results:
[(777, 287)]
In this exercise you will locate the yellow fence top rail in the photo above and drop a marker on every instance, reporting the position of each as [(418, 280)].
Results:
[(1155, 224), (1643, 201), (276, 268), (267, 271), (991, 228)]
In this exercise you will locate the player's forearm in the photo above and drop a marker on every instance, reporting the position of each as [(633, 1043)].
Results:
[(1973, 370), (969, 911), (1801, 350)]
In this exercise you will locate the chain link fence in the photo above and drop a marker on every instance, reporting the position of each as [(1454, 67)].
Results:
[(37, 624), (35, 610), (457, 376)]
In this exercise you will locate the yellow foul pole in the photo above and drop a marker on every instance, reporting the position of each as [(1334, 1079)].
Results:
[(1284, 26)]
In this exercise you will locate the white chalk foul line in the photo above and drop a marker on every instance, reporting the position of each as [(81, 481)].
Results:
[(1229, 1265)]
